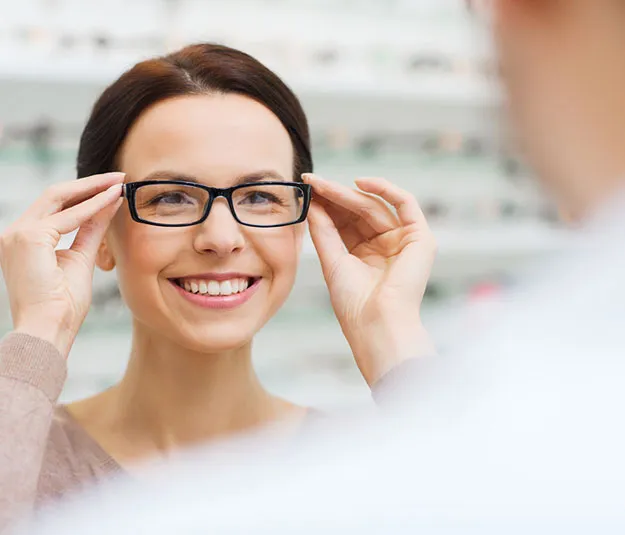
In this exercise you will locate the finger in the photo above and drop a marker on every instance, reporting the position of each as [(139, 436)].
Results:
[(353, 228), (407, 207), (340, 216), (69, 220), (91, 233), (67, 194), (351, 234), (326, 239), (371, 210)]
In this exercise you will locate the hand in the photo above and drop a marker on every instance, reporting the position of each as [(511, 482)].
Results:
[(50, 291), (376, 263)]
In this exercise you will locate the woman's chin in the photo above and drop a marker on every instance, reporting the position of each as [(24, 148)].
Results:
[(212, 341)]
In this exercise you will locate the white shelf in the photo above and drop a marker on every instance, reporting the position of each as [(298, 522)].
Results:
[(100, 70)]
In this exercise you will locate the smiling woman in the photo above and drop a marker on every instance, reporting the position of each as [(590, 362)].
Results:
[(195, 181)]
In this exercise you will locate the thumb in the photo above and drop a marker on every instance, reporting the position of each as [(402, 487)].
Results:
[(91, 233), (326, 239), (413, 267)]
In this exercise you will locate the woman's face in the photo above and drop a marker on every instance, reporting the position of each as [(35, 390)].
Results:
[(220, 141)]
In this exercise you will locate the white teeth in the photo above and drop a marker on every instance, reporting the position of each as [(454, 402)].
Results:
[(211, 287), (225, 288)]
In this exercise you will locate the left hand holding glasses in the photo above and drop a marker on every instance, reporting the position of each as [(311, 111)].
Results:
[(376, 262)]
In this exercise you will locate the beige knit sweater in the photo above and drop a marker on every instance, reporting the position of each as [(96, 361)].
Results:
[(44, 452)]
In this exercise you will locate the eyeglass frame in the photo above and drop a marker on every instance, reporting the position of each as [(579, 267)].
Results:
[(129, 191)]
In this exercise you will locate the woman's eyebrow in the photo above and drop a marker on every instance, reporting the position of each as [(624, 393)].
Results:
[(170, 175), (257, 176)]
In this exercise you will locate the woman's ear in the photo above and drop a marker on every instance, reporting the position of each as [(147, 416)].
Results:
[(105, 259)]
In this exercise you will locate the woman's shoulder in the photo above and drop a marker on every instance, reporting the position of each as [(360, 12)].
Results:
[(72, 459)]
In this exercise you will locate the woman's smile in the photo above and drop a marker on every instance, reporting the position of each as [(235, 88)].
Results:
[(217, 290)]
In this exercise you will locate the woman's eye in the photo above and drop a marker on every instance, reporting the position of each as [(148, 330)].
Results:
[(258, 197), (171, 198)]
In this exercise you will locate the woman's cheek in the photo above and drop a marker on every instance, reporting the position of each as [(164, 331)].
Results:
[(280, 250), (142, 257)]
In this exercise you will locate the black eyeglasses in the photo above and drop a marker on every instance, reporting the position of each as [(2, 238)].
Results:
[(172, 203)]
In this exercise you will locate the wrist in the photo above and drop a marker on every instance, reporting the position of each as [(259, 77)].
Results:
[(58, 335), (381, 350)]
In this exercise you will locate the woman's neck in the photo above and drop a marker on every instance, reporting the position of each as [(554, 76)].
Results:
[(172, 397)]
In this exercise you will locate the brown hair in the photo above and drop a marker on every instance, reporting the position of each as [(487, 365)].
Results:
[(194, 70)]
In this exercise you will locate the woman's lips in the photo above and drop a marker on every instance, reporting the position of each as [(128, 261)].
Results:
[(219, 301)]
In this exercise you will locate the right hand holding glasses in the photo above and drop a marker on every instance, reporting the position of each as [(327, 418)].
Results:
[(50, 291), (376, 251)]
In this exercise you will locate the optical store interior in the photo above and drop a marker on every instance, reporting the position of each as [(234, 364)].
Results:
[(402, 89)]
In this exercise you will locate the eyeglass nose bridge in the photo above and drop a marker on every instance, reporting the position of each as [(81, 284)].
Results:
[(213, 195)]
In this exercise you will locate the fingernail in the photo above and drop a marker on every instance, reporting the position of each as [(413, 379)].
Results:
[(309, 176), (115, 187)]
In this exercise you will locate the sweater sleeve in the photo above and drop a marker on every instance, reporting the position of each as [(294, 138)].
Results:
[(397, 388), (32, 375)]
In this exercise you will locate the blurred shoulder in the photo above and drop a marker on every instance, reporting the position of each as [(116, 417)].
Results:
[(72, 459)]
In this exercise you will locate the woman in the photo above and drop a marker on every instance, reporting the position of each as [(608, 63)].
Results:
[(191, 187)]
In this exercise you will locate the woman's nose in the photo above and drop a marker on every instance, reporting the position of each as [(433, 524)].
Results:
[(219, 234)]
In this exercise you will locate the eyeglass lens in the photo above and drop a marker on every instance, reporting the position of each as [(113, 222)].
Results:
[(256, 204)]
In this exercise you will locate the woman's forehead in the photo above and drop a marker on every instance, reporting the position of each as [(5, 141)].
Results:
[(214, 135)]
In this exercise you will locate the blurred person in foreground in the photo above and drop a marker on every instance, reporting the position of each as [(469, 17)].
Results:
[(194, 183), (520, 432)]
